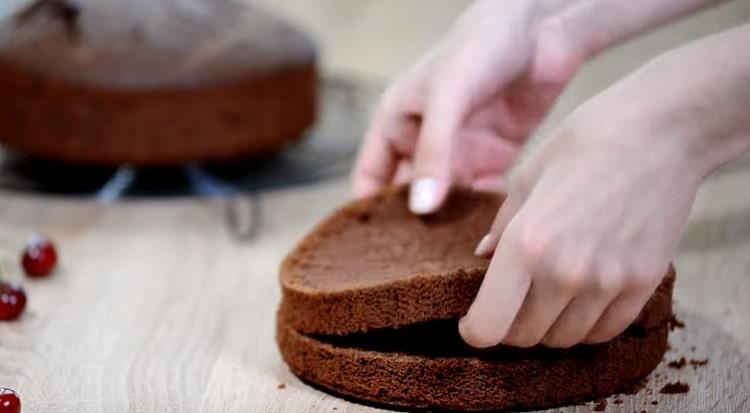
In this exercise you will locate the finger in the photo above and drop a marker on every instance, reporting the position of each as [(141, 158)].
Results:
[(465, 78), (579, 317), (376, 162), (432, 165), (488, 244), (519, 188), (446, 110), (389, 138), (499, 298), (618, 316), (544, 303)]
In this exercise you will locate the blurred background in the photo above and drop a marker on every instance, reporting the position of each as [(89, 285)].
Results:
[(361, 45)]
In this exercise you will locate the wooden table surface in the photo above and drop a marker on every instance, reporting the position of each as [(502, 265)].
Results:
[(157, 307)]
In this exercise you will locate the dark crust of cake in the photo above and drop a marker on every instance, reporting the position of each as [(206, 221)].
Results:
[(400, 302), (537, 378), (58, 120)]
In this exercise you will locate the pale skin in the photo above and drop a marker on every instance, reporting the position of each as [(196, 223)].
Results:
[(592, 219)]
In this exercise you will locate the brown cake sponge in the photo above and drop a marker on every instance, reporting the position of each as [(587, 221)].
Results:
[(425, 366), (370, 305), (373, 264)]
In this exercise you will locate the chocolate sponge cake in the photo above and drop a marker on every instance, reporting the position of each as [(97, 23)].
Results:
[(152, 83), (373, 264), (375, 254), (433, 370), (370, 305)]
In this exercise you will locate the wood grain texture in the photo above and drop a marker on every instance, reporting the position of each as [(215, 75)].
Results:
[(157, 308)]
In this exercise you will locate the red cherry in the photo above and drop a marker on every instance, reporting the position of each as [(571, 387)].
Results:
[(39, 258), (9, 401), (12, 301)]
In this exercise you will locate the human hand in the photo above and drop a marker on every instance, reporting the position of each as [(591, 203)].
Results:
[(593, 219), (586, 234), (463, 112)]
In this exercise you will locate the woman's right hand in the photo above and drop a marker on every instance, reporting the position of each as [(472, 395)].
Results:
[(462, 113)]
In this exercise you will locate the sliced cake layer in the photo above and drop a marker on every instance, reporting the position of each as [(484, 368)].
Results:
[(370, 305), (426, 367), (373, 264)]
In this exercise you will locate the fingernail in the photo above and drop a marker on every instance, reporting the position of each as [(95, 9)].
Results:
[(423, 196), (484, 248)]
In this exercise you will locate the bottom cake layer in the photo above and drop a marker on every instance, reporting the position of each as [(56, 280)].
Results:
[(426, 366)]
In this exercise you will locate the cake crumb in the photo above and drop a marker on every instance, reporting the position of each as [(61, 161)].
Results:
[(698, 363), (601, 405), (281, 386), (617, 401), (675, 323), (654, 402), (635, 388), (675, 388), (678, 364)]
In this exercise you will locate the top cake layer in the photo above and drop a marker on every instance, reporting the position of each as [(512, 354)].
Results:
[(146, 43), (373, 265), (378, 241)]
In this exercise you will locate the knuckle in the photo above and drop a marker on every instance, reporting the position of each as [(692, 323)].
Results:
[(640, 276), (569, 279), (607, 280), (570, 275), (530, 242)]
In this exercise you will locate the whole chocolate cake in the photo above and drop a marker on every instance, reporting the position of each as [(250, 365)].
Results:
[(152, 82), (370, 305)]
